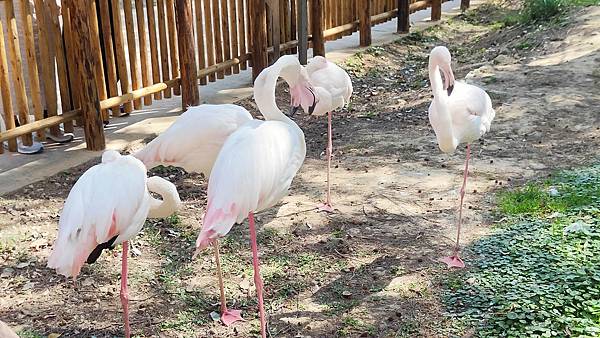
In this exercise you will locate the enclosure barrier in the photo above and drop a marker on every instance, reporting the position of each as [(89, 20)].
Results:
[(87, 60)]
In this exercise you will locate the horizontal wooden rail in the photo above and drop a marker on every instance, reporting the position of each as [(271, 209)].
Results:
[(221, 66), (349, 27), (39, 125), (139, 93)]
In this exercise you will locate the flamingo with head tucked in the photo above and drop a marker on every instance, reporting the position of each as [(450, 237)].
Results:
[(108, 205), (333, 88), (256, 165), (459, 113)]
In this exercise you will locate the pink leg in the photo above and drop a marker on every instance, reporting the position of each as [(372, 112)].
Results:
[(228, 317), (124, 290), (257, 280), (327, 205), (454, 260)]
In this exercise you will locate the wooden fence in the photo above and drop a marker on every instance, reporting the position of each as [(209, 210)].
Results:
[(145, 50)]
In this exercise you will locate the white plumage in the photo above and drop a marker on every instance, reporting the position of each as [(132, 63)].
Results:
[(461, 117), (194, 140), (257, 163), (331, 83), (110, 199)]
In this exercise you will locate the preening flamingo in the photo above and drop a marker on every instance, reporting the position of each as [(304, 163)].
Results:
[(333, 89), (459, 113), (108, 205), (256, 166), (193, 142)]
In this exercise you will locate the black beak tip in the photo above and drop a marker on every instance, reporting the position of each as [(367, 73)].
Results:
[(293, 110), (450, 89)]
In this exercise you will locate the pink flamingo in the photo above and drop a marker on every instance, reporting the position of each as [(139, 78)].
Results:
[(195, 139), (256, 166), (333, 89), (459, 113), (108, 205)]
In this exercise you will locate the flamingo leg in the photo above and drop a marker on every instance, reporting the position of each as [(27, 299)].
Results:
[(124, 290), (228, 317), (257, 280), (327, 205), (455, 260)]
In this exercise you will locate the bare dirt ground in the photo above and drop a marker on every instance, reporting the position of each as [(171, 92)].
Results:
[(368, 270)]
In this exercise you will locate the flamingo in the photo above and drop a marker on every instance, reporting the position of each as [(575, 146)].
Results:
[(193, 142), (333, 89), (108, 205), (459, 113), (256, 166)]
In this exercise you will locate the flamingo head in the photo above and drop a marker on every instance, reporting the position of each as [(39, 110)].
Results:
[(440, 56), (302, 93)]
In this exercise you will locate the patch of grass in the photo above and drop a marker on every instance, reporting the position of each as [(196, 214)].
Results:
[(539, 11), (534, 278), (30, 334), (352, 326)]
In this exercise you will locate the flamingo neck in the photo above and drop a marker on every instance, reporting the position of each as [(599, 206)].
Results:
[(435, 78), (170, 198), (445, 133), (265, 84)]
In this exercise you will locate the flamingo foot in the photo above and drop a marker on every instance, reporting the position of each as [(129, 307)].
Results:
[(231, 316), (453, 261), (325, 207)]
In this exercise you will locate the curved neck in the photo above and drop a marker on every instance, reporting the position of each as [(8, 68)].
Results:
[(170, 198), (435, 78), (265, 84)]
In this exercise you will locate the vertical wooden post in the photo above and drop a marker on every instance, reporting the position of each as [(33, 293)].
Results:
[(273, 6), (145, 63), (34, 80), (187, 54), (153, 45), (9, 118), (318, 42), (464, 5), (259, 37), (47, 67), (90, 105), (16, 63), (200, 37), (364, 20), (111, 69), (120, 53), (403, 16), (436, 10), (173, 44), (164, 45), (95, 40), (134, 66), (303, 31)]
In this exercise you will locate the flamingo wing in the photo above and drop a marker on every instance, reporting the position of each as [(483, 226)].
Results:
[(193, 141), (332, 78), (109, 203), (253, 171), (471, 111)]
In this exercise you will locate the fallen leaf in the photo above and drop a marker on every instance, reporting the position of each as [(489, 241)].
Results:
[(215, 316)]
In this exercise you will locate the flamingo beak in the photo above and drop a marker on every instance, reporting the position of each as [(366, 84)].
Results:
[(311, 108), (448, 80), (293, 110)]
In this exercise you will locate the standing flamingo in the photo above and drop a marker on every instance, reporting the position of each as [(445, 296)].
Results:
[(459, 113), (256, 166), (108, 205), (333, 89), (193, 142)]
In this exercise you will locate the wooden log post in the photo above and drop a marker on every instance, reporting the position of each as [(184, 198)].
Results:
[(273, 6), (173, 43), (187, 54), (318, 41), (84, 66), (9, 118), (464, 5), (303, 31), (97, 52), (403, 16), (153, 45), (134, 66), (120, 53), (259, 37), (364, 19), (436, 10), (16, 63), (111, 68), (34, 80), (144, 55)]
